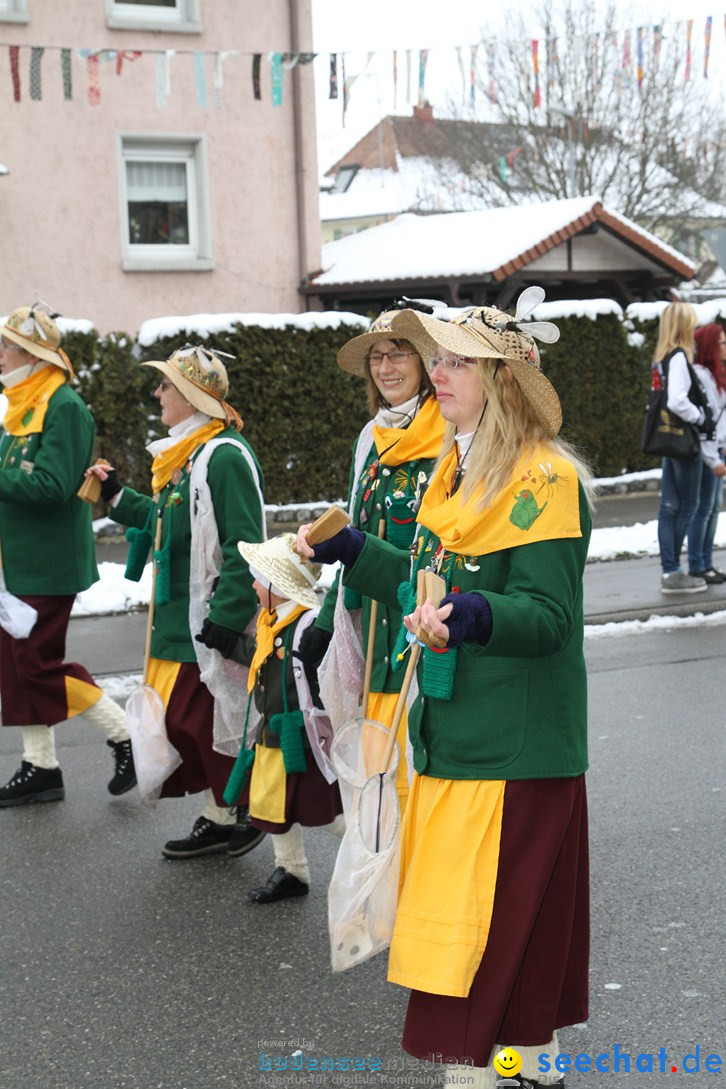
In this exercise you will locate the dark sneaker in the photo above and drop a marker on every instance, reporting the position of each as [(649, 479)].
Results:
[(245, 836), (31, 784), (125, 775), (712, 576), (280, 886), (205, 838), (678, 582)]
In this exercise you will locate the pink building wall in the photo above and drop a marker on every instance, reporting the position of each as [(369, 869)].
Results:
[(60, 205)]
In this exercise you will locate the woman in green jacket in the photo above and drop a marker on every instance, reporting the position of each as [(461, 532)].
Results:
[(207, 491), (392, 460), (48, 556), (492, 926)]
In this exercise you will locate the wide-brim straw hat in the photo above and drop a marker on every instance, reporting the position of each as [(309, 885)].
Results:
[(291, 575), (201, 378), (352, 356), (33, 329), (483, 332)]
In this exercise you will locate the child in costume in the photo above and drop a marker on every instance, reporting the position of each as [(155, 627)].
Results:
[(292, 780)]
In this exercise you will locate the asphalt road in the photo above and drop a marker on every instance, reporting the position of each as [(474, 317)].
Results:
[(121, 970)]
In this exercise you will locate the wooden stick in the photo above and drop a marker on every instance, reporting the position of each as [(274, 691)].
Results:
[(152, 602), (371, 637), (400, 704)]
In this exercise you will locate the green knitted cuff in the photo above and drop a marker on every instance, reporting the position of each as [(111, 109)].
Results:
[(439, 670), (290, 726)]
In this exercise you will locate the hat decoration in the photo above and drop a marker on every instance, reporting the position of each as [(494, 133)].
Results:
[(201, 368), (34, 329)]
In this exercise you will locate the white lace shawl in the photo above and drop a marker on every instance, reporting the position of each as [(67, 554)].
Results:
[(226, 680)]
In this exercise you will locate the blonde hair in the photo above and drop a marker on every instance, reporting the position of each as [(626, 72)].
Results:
[(374, 396), (677, 324), (508, 429)]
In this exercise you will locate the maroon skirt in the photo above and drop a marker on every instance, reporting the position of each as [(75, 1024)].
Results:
[(310, 800), (533, 976), (33, 671), (189, 725)]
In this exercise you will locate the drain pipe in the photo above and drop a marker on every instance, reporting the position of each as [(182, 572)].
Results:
[(302, 238)]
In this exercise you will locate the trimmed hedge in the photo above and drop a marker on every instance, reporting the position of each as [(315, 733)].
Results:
[(302, 413)]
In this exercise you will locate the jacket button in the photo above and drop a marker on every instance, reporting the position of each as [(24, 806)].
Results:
[(384, 622), (385, 659)]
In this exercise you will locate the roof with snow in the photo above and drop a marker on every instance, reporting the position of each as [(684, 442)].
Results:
[(562, 241)]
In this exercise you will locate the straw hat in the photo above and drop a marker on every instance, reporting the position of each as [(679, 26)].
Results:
[(33, 328), (292, 576), (352, 356), (483, 332), (201, 378)]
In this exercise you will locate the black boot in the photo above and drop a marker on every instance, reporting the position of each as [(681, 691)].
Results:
[(205, 838), (245, 835), (281, 885), (32, 784), (125, 775)]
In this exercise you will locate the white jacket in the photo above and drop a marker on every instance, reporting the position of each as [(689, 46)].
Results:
[(717, 401)]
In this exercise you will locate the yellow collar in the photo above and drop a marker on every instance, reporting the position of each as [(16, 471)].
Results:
[(28, 401)]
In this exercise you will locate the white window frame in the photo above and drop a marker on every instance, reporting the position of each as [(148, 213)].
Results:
[(185, 18), (196, 256), (16, 11)]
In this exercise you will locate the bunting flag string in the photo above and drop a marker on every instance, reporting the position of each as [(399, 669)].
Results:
[(423, 57), (14, 51), (94, 80), (333, 83), (200, 79), (35, 79), (66, 75), (707, 45), (640, 35), (256, 85), (345, 86), (552, 64), (128, 55), (491, 47), (408, 75), (276, 78), (395, 79), (219, 75), (472, 74), (689, 36), (535, 65)]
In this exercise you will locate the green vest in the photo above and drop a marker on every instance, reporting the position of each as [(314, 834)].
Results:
[(388, 492), (46, 533), (519, 703), (238, 516)]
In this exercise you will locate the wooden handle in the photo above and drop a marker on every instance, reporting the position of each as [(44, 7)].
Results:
[(327, 525), (371, 638), (152, 602), (90, 489), (400, 704), (429, 585)]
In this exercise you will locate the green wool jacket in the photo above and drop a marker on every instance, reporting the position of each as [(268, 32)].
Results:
[(238, 516), (46, 533), (519, 703), (389, 492)]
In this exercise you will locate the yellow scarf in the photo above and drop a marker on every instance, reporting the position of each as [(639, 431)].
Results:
[(421, 439), (268, 627), (176, 456), (540, 503), (28, 401)]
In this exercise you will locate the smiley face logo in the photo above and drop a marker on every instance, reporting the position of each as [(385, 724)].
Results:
[(507, 1062)]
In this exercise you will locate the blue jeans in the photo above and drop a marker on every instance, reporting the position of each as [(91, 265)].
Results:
[(678, 500), (702, 529)]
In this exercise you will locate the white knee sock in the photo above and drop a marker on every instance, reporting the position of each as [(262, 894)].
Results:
[(470, 1077), (39, 746), (217, 813), (290, 853), (530, 1061), (109, 717)]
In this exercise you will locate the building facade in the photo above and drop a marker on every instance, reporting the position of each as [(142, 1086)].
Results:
[(161, 157)]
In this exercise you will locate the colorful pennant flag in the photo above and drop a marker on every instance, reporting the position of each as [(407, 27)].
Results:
[(200, 80), (276, 75), (34, 76), (65, 59), (423, 57), (333, 85), (707, 46), (689, 36), (14, 51), (535, 65)]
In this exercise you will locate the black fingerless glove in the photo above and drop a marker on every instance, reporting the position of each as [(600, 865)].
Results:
[(470, 620), (217, 637), (345, 546), (111, 486)]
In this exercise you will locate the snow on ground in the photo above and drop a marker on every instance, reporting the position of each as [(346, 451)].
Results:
[(654, 624)]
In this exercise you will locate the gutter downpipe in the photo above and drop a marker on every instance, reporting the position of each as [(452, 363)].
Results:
[(302, 240)]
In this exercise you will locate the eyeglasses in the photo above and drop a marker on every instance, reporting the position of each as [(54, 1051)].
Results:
[(376, 358), (164, 385), (8, 346), (452, 364)]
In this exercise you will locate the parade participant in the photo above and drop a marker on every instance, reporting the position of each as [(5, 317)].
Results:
[(492, 925), (710, 343), (292, 784), (48, 556), (207, 490), (392, 459)]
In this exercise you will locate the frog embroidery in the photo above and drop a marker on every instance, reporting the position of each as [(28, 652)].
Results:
[(525, 511)]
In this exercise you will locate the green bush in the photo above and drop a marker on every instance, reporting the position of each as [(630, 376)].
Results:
[(302, 413)]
